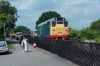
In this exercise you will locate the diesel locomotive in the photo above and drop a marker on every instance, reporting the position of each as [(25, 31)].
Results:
[(53, 28)]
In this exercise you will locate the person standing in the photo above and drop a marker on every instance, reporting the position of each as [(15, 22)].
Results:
[(34, 46), (25, 45), (20, 40)]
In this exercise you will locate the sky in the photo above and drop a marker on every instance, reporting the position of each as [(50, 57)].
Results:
[(79, 13)]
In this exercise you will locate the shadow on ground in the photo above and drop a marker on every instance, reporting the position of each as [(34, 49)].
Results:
[(10, 52), (29, 51)]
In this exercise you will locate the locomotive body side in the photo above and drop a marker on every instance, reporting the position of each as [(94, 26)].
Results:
[(43, 30)]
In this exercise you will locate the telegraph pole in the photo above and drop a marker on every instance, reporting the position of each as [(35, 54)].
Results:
[(4, 30)]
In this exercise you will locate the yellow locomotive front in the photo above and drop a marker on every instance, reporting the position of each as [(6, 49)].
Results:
[(59, 28), (34, 33)]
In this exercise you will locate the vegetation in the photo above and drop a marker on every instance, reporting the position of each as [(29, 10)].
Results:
[(17, 29), (73, 33), (47, 15), (21, 29), (8, 14), (93, 32), (10, 46), (95, 25)]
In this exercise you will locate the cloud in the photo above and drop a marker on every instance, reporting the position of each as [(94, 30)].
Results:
[(37, 4), (16, 4), (79, 13), (26, 4)]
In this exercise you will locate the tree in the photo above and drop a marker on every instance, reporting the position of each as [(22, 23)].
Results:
[(9, 11), (8, 14), (21, 29), (95, 25), (73, 33), (87, 34), (47, 15)]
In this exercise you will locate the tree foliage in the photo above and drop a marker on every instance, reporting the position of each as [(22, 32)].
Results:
[(47, 15), (88, 34), (73, 33), (84, 34), (21, 29), (95, 25), (8, 14)]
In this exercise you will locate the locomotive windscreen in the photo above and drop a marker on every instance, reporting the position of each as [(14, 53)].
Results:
[(65, 24), (53, 24), (60, 18), (35, 31)]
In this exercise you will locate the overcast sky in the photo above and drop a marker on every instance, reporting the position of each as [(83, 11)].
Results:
[(79, 13)]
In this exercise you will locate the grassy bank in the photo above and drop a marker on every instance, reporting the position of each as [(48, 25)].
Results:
[(11, 46)]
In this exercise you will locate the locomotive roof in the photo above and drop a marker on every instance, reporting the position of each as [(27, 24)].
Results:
[(46, 21), (52, 19)]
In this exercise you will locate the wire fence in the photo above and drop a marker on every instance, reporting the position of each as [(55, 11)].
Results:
[(81, 53)]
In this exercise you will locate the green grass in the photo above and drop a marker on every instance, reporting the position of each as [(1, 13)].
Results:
[(10, 46)]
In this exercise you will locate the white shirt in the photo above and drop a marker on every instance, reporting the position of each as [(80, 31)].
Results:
[(34, 44), (26, 45)]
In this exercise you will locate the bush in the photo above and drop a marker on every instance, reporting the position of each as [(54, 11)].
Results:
[(83, 39), (10, 46), (2, 38), (97, 39)]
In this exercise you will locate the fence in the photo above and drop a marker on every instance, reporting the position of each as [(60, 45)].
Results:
[(83, 54)]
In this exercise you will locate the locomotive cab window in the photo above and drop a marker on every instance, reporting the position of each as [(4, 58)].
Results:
[(49, 24), (35, 31), (60, 18), (53, 24), (38, 28), (65, 24)]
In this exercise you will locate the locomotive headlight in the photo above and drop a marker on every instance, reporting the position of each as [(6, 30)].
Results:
[(53, 30)]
